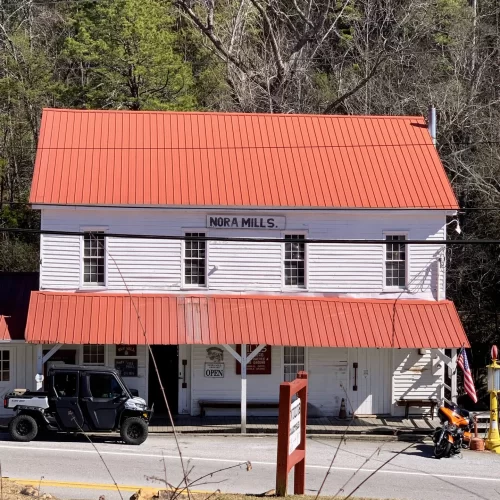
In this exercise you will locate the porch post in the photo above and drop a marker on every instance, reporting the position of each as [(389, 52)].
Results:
[(243, 359), (454, 392), (39, 367), (243, 388)]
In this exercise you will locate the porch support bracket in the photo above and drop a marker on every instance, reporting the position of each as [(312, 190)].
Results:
[(40, 361), (244, 360), (51, 353)]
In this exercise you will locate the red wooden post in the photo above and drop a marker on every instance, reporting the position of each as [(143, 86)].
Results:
[(285, 459), (283, 439)]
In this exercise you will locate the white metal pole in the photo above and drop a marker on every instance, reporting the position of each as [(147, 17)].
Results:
[(454, 391), (243, 388), (438, 291), (39, 367)]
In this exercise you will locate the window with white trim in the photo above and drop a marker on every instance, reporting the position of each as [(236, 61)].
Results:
[(195, 264), (4, 366), (395, 261), (94, 258), (93, 354), (295, 260), (293, 362)]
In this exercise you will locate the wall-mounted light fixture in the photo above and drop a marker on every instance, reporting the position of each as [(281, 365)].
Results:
[(423, 351)]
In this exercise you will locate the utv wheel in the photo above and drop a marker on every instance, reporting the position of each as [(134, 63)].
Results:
[(23, 428), (134, 430), (442, 449)]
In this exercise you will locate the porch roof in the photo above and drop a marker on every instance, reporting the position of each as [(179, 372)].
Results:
[(104, 318)]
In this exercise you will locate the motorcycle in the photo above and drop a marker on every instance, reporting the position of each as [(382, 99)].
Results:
[(455, 432)]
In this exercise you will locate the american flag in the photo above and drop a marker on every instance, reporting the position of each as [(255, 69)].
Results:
[(468, 382)]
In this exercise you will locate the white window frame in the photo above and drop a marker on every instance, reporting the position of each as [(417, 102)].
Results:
[(105, 362), (190, 286), (289, 288), (407, 263), (11, 353), (93, 286), (306, 360)]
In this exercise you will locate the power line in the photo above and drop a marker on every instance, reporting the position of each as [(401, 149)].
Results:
[(250, 239)]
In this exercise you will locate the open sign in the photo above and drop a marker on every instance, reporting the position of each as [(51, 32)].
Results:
[(214, 370)]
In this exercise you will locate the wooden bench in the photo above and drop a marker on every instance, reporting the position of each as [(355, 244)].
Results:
[(235, 404), (420, 403)]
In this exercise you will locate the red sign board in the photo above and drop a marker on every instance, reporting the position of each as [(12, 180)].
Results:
[(260, 365)]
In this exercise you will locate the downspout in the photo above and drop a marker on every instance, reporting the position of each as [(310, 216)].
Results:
[(432, 123), (439, 267)]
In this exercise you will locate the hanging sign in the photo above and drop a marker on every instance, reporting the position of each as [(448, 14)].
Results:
[(214, 367), (214, 370), (246, 222), (260, 365), (126, 350)]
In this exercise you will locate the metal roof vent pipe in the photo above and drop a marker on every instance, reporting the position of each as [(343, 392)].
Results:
[(431, 123)]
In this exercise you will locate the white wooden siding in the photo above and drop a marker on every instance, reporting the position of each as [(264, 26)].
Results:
[(342, 268), (155, 265), (162, 271), (21, 371), (416, 377), (59, 262), (259, 387), (250, 267), (328, 376)]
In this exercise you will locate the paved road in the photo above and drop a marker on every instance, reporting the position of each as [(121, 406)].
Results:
[(411, 473)]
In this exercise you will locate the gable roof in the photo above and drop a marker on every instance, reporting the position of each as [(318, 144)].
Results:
[(177, 159), (15, 290)]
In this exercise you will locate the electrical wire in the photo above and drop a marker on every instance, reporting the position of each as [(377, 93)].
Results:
[(350, 241)]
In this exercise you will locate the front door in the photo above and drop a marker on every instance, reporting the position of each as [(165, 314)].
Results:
[(102, 400), (372, 378), (167, 360), (65, 396)]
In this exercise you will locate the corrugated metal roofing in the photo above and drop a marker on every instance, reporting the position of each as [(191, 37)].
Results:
[(229, 159), (86, 318)]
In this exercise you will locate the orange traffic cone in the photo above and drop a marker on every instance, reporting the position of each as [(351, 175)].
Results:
[(342, 412)]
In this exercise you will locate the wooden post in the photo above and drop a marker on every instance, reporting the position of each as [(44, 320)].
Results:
[(286, 460), (283, 440), (243, 388)]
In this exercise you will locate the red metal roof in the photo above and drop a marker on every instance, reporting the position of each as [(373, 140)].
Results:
[(4, 329), (229, 159), (82, 318)]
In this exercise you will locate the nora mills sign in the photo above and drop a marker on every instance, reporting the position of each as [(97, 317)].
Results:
[(246, 221)]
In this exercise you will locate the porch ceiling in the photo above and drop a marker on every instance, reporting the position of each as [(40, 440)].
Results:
[(102, 318)]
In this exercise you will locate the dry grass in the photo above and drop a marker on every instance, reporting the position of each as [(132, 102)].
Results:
[(11, 490), (165, 495)]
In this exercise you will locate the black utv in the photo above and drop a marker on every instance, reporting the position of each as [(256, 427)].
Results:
[(79, 399)]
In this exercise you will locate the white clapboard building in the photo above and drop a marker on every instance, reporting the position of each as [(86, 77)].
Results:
[(365, 315)]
